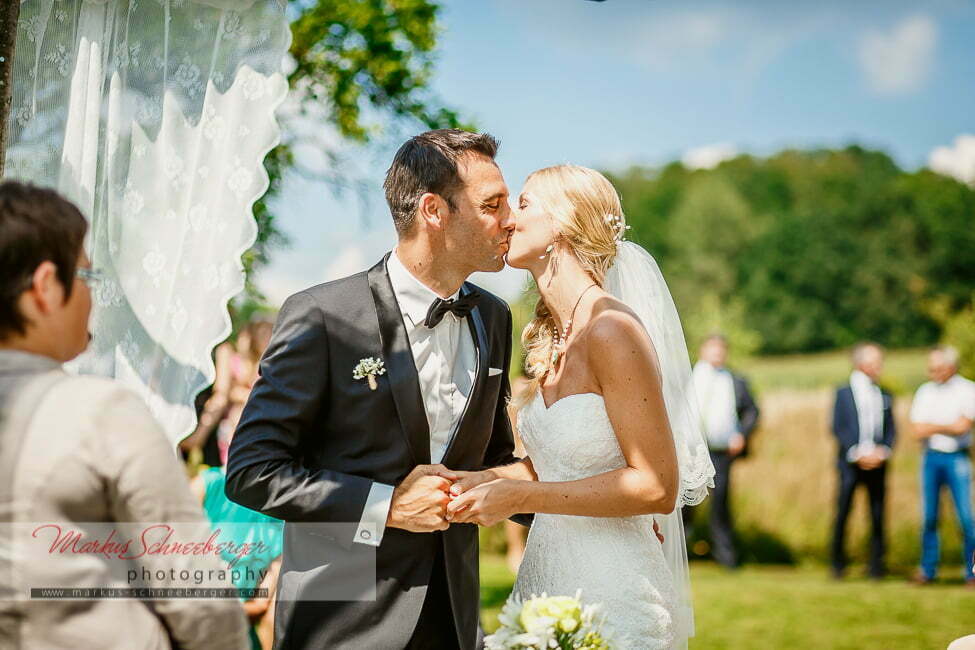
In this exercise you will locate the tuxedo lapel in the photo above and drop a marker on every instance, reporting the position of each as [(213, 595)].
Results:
[(404, 382), (476, 324)]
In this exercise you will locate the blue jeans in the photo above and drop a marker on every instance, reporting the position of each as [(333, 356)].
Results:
[(955, 471)]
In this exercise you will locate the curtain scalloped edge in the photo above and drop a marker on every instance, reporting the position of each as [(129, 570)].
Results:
[(264, 182)]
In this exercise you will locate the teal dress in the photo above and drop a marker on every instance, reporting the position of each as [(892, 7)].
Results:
[(247, 526)]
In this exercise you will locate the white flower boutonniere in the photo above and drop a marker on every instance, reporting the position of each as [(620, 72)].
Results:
[(369, 368)]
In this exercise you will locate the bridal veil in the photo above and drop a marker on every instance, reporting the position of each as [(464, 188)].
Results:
[(636, 280)]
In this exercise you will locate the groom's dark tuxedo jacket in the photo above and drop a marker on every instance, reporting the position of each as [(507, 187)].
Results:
[(312, 440)]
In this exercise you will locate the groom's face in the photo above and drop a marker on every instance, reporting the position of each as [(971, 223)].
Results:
[(479, 228)]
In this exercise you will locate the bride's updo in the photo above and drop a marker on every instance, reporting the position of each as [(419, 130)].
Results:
[(589, 221)]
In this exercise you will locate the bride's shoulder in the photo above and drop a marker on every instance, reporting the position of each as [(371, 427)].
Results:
[(611, 316), (614, 328)]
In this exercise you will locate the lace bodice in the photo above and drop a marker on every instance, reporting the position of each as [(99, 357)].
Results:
[(576, 422), (616, 561)]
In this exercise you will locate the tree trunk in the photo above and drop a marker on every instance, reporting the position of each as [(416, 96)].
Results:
[(8, 39)]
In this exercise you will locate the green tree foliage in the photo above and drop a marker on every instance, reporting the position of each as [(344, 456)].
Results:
[(808, 250), (959, 331), (356, 63)]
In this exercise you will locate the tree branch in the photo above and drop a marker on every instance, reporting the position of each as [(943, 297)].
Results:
[(8, 39)]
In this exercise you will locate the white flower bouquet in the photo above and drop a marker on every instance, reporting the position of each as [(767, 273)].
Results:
[(543, 622)]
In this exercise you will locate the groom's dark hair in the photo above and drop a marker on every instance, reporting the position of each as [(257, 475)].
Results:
[(36, 224), (428, 163)]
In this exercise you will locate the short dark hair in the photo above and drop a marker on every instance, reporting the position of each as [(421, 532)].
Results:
[(428, 163), (36, 225)]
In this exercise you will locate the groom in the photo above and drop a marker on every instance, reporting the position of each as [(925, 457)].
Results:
[(314, 444)]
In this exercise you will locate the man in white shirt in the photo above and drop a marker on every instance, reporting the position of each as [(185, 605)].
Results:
[(942, 415), (863, 424), (729, 415), (371, 387), (445, 356)]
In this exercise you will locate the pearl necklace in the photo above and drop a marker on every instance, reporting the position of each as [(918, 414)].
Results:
[(560, 340)]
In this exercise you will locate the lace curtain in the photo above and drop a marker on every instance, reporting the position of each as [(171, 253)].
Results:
[(154, 116)]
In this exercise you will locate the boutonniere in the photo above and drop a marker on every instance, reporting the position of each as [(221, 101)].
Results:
[(369, 369)]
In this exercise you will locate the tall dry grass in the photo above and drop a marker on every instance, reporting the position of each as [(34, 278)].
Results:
[(784, 493)]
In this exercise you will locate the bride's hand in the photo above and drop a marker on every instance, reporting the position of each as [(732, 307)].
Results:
[(485, 504), (468, 480), (656, 531)]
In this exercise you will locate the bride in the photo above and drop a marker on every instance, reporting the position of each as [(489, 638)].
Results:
[(609, 421)]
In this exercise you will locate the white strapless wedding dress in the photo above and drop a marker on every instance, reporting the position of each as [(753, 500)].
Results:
[(616, 561)]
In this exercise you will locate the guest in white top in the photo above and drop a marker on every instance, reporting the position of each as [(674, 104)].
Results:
[(730, 415), (942, 415), (863, 424), (80, 449)]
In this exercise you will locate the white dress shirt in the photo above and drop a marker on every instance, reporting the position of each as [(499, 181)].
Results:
[(869, 403), (715, 389), (943, 404), (446, 360)]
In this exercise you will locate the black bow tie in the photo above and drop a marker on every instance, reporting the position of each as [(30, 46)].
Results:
[(459, 308)]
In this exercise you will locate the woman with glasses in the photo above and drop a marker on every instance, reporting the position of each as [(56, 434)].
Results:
[(78, 451)]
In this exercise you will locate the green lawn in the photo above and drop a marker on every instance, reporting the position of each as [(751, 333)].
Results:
[(798, 607), (904, 370)]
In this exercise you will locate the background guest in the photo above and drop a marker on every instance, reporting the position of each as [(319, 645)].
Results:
[(729, 415), (863, 423), (80, 449), (236, 367), (265, 533), (942, 415)]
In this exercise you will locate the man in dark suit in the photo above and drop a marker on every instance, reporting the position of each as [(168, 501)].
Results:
[(863, 423), (729, 415), (366, 383)]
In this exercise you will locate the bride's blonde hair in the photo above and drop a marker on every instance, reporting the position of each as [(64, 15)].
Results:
[(589, 216)]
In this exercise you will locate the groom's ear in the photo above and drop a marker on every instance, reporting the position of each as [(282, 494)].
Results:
[(432, 210)]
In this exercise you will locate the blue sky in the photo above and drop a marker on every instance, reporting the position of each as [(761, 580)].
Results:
[(648, 81)]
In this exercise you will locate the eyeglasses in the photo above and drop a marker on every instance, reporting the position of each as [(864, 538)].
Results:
[(91, 277)]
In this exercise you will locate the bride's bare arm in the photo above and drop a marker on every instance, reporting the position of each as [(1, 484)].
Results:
[(522, 470), (623, 361)]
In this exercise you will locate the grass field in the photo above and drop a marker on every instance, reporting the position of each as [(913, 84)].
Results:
[(779, 607), (904, 370), (783, 494)]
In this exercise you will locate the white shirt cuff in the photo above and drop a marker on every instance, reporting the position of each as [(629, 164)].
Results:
[(374, 515)]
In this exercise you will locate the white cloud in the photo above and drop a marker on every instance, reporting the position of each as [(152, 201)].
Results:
[(351, 260), (741, 38), (957, 160), (898, 61), (668, 38), (709, 156), (277, 285), (301, 266)]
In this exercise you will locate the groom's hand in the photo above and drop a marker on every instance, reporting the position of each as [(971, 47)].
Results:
[(420, 501)]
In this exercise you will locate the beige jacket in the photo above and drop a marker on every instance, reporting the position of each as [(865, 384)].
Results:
[(91, 452)]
